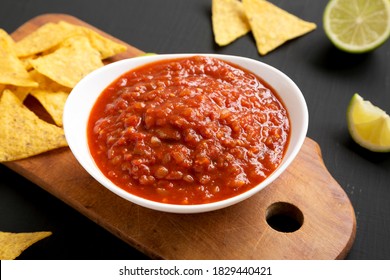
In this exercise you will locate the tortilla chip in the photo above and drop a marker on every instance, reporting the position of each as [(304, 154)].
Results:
[(229, 21), (12, 71), (50, 94), (44, 38), (22, 133), (105, 46), (27, 61), (44, 84), (48, 84), (272, 26), (7, 42), (69, 63), (53, 102), (13, 244), (47, 37), (20, 92)]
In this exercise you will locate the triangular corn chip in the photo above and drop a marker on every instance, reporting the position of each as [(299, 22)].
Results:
[(12, 70), (53, 102), (69, 63), (105, 46), (46, 83), (51, 95), (229, 21), (44, 38), (50, 35), (20, 92), (272, 26), (22, 133), (13, 244)]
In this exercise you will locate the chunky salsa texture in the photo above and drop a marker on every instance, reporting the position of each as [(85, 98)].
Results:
[(188, 131)]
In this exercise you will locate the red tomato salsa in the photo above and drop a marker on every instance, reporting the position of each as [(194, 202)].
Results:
[(188, 131)]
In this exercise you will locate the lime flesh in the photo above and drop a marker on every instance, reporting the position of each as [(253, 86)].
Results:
[(368, 125), (357, 26)]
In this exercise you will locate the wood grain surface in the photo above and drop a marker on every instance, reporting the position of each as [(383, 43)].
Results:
[(327, 226)]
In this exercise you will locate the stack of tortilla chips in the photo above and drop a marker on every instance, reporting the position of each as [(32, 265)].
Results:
[(46, 65), (270, 25)]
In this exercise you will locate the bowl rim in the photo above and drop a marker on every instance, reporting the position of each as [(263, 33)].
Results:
[(74, 109)]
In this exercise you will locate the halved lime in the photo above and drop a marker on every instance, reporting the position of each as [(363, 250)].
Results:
[(368, 125), (357, 26)]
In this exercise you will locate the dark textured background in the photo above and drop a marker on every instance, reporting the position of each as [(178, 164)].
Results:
[(327, 77)]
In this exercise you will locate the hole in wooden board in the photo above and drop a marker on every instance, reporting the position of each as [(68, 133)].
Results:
[(284, 217)]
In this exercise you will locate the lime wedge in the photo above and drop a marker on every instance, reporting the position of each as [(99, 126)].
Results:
[(357, 26), (368, 125)]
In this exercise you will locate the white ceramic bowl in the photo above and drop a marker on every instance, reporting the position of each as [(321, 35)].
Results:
[(83, 97)]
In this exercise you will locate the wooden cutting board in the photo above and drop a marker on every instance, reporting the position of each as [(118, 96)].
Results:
[(313, 216)]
